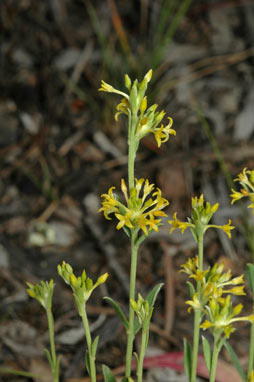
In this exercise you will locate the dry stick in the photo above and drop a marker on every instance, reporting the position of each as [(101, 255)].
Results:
[(118, 25)]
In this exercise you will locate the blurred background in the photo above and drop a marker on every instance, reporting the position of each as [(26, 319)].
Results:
[(61, 149)]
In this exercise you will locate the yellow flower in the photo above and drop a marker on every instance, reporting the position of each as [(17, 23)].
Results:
[(191, 266), (236, 196), (162, 133), (226, 228), (246, 179), (194, 303), (110, 89), (178, 224)]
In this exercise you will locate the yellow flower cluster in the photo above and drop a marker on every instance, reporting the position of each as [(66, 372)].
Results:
[(201, 215), (246, 180), (221, 316), (148, 118), (213, 284), (141, 208), (82, 286)]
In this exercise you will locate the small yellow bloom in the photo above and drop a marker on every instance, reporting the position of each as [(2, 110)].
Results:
[(191, 266), (227, 228), (178, 224), (110, 89), (162, 133), (236, 196), (194, 303)]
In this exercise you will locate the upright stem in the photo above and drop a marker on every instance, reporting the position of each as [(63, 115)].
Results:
[(251, 350), (197, 319), (89, 345), (216, 351), (145, 332), (197, 315), (132, 149), (52, 345), (130, 331)]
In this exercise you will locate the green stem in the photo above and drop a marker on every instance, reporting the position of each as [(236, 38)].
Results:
[(133, 146), (200, 251), (216, 351), (55, 370), (89, 345), (251, 350), (197, 319), (145, 333), (130, 331), (197, 313)]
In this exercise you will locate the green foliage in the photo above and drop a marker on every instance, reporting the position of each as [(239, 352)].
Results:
[(118, 311), (108, 375), (235, 361), (207, 352)]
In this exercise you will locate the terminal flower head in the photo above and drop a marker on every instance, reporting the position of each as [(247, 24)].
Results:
[(148, 119), (142, 309), (140, 209), (201, 215), (42, 292), (82, 286), (213, 282), (222, 316)]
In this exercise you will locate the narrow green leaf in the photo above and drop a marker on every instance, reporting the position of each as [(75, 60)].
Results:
[(48, 355), (152, 295), (207, 352), (137, 359), (250, 276), (118, 311), (127, 231), (88, 363), (191, 289), (8, 370), (94, 346), (235, 361), (187, 358), (137, 326), (108, 375)]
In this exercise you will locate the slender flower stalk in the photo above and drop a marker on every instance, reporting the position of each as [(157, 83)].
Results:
[(91, 356), (142, 355), (216, 351), (43, 293), (130, 331), (82, 288), (197, 312), (199, 223), (140, 213), (55, 369), (251, 350)]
